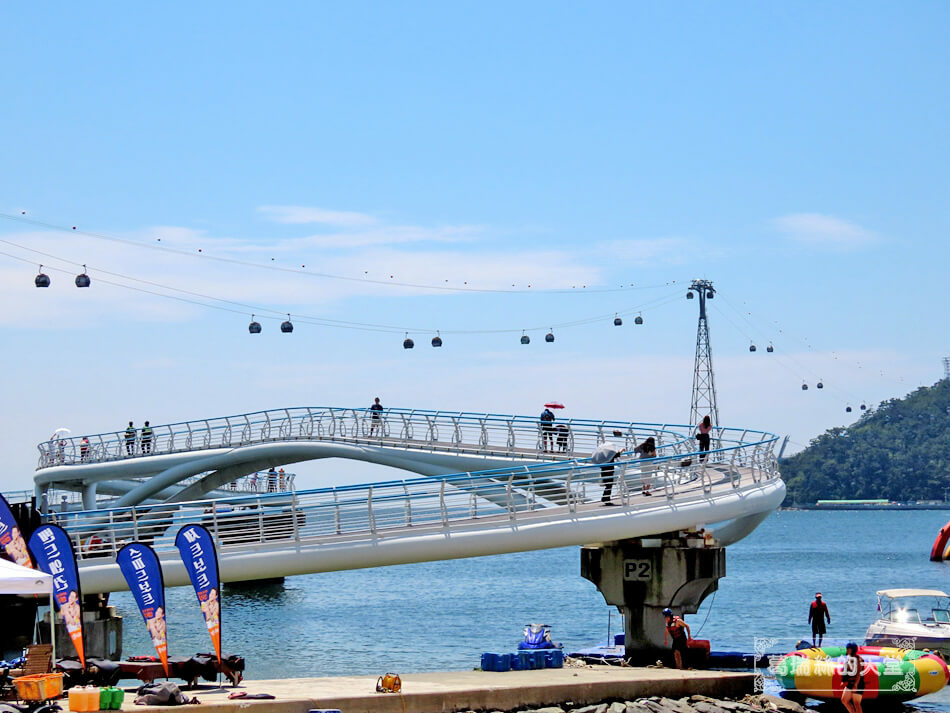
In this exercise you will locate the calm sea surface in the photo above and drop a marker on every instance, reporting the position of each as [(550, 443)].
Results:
[(440, 616)]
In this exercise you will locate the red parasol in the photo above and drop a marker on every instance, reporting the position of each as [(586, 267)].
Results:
[(554, 404)]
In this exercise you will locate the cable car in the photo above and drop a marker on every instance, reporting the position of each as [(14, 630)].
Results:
[(82, 279), (847, 408), (709, 294), (525, 339), (804, 387), (549, 337), (287, 326), (407, 343), (863, 407), (41, 279), (617, 320), (689, 295), (752, 347), (638, 320), (437, 340), (820, 385), (254, 327), (770, 349)]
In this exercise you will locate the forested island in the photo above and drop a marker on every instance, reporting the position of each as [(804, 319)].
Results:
[(899, 451)]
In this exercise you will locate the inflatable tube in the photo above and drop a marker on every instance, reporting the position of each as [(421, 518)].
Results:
[(890, 673), (941, 548)]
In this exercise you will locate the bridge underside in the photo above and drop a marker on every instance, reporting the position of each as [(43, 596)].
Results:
[(150, 478)]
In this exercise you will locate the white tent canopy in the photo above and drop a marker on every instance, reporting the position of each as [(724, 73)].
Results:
[(15, 579)]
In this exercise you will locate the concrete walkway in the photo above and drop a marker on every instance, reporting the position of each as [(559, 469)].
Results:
[(468, 690)]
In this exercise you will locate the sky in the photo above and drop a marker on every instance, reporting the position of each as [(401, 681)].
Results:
[(476, 168)]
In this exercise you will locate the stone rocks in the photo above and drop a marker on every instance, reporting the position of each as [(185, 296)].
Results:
[(599, 708), (667, 705), (693, 704), (775, 703)]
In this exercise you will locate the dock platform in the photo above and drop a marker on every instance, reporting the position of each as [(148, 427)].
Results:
[(468, 690)]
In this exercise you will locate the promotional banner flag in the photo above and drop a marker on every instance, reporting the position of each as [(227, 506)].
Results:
[(197, 551), (11, 539), (54, 555), (141, 569)]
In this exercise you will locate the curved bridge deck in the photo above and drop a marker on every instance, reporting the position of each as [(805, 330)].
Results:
[(471, 514)]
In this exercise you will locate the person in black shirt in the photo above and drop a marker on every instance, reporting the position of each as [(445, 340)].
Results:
[(852, 678), (376, 419)]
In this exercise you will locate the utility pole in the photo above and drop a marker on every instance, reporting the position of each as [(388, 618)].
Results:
[(704, 385)]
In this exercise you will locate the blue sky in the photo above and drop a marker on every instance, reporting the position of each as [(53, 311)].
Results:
[(796, 155)]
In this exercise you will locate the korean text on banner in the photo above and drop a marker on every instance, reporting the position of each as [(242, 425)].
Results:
[(143, 573), (197, 552), (54, 555), (11, 539)]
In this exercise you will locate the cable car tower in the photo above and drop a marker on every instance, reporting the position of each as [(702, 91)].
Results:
[(704, 384)]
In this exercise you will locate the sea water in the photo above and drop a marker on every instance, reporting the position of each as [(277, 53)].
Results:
[(440, 616)]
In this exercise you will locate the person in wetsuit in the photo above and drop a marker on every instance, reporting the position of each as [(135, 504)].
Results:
[(678, 631), (852, 678), (817, 613)]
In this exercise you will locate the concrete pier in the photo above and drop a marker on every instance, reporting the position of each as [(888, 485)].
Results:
[(469, 690)]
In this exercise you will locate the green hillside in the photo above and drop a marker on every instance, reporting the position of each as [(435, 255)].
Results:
[(899, 451)]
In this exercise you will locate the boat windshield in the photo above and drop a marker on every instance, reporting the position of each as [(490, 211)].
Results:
[(919, 609)]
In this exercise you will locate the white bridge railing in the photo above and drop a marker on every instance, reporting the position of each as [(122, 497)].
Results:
[(365, 512), (492, 434)]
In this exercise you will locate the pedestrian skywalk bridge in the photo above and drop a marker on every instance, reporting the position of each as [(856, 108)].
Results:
[(554, 502), (195, 459)]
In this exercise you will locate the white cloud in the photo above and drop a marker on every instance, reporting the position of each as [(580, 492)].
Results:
[(824, 230), (645, 251), (299, 215), (388, 235)]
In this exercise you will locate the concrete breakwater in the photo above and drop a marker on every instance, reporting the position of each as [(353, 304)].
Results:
[(691, 704), (648, 690)]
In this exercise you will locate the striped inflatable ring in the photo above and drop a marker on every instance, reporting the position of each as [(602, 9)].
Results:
[(890, 673)]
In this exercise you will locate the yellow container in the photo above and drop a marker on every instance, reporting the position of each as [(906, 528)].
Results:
[(84, 699), (92, 699), (39, 686)]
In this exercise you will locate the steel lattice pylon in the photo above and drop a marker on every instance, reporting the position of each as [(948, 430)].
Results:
[(704, 383)]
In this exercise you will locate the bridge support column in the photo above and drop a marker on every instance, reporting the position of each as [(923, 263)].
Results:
[(642, 577), (89, 496)]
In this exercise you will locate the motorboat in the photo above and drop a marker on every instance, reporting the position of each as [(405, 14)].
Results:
[(912, 619)]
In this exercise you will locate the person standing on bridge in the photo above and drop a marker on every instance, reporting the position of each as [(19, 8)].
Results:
[(146, 438), (376, 418), (817, 614), (703, 434), (547, 430), (130, 439), (647, 451)]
